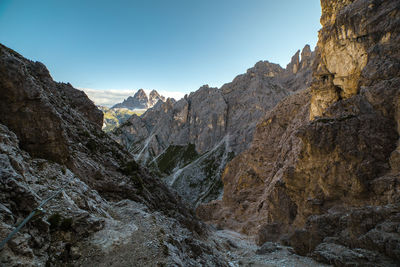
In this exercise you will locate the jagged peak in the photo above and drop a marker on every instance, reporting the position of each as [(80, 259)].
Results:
[(265, 67), (140, 100), (154, 92), (141, 93), (301, 60)]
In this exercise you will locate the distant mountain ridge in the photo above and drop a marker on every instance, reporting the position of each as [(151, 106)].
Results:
[(190, 141), (136, 104), (140, 100)]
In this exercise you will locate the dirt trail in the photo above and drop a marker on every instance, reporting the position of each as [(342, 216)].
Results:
[(241, 250)]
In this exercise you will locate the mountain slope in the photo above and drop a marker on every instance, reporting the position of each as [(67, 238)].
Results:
[(114, 117), (322, 173), (210, 116), (51, 139)]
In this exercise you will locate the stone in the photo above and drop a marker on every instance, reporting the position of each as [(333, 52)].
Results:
[(51, 139), (322, 166), (140, 100), (268, 247)]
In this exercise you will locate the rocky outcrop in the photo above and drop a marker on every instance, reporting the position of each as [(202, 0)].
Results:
[(140, 100), (209, 117), (351, 45), (111, 210), (328, 186)]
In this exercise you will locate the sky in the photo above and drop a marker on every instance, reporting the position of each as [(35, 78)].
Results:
[(115, 47)]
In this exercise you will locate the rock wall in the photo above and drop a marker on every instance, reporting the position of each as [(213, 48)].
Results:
[(354, 33), (31, 102), (111, 210), (313, 183)]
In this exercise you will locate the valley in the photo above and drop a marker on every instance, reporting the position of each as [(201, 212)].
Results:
[(295, 166)]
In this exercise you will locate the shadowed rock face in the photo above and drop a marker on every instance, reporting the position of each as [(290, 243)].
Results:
[(51, 138), (37, 108), (313, 183), (218, 122)]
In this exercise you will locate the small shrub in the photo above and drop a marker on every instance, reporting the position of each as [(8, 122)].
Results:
[(66, 224), (85, 133), (91, 145), (130, 168), (54, 220)]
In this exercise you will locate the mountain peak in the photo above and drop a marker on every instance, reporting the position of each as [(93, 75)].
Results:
[(301, 60), (140, 93), (140, 100)]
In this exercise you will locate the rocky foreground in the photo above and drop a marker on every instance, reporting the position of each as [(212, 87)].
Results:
[(51, 139)]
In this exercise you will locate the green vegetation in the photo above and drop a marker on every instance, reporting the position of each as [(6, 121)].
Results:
[(54, 221), (130, 168), (176, 156), (114, 118)]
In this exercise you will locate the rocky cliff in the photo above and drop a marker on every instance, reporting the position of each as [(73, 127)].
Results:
[(214, 123), (140, 100), (322, 172), (111, 211)]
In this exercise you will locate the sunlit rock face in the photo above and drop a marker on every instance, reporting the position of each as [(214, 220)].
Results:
[(218, 122), (313, 183), (350, 38)]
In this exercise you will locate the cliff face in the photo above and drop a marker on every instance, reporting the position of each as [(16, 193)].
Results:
[(353, 43), (216, 121), (313, 183), (31, 101), (51, 139)]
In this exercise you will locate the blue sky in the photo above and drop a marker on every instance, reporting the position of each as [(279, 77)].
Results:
[(167, 45)]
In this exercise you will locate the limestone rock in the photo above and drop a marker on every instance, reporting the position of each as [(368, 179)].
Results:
[(294, 64), (351, 48), (140, 100), (154, 97), (334, 178)]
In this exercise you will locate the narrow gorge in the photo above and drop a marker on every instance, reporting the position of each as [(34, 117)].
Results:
[(295, 166)]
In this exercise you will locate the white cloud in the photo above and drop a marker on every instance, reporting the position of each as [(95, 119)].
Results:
[(111, 97)]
